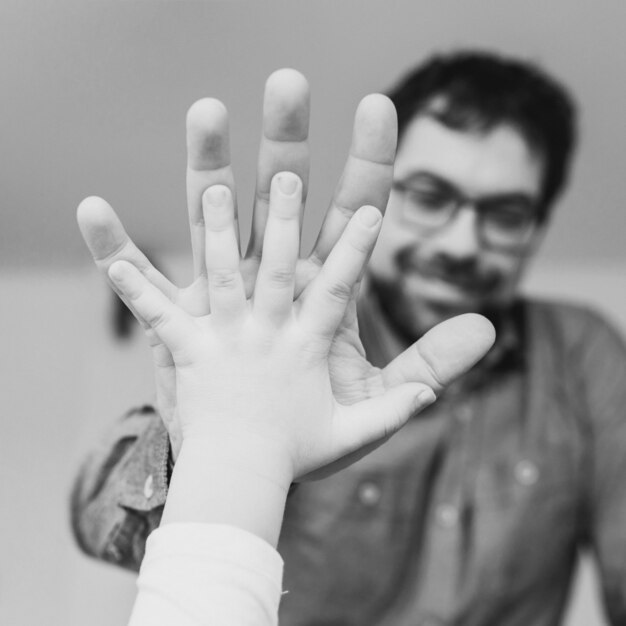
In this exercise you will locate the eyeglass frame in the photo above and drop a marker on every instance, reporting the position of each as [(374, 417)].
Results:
[(460, 200)]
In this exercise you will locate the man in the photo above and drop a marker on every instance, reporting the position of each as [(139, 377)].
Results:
[(476, 512)]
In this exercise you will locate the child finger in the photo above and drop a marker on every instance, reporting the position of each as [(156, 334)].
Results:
[(171, 324), (326, 299), (273, 296), (225, 283)]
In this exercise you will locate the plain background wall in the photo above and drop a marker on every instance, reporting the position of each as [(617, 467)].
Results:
[(93, 100)]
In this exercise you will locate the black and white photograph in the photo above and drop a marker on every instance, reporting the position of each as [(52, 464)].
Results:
[(313, 313)]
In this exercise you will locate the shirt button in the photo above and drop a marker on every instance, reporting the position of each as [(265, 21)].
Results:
[(447, 516), (369, 494), (526, 473), (148, 487)]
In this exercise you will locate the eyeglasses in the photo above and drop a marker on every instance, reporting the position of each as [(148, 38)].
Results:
[(504, 222)]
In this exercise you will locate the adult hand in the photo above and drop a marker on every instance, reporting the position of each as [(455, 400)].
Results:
[(366, 180)]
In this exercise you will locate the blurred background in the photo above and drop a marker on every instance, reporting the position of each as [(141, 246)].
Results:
[(93, 101)]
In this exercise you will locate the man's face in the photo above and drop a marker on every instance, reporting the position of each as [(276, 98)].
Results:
[(425, 274)]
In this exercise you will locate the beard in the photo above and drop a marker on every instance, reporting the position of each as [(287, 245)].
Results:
[(427, 291), (472, 282)]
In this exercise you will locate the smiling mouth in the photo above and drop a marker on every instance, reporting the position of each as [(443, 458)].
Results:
[(451, 289), (446, 279)]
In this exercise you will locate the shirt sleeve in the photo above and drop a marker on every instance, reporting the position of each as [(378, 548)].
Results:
[(120, 490), (602, 359), (213, 574)]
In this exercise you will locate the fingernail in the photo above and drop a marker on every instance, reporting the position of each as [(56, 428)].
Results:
[(117, 272), (287, 183), (369, 216), (216, 195), (425, 398)]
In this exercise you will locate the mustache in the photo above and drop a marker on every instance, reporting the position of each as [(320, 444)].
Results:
[(463, 273)]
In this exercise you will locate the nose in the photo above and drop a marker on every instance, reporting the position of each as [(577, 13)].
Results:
[(459, 238)]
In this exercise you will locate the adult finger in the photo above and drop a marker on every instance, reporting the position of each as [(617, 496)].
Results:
[(324, 303), (273, 295), (284, 144), (367, 176), (108, 242), (226, 290), (208, 163), (443, 353), (170, 323)]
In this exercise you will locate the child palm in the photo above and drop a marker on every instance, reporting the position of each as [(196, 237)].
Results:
[(277, 346)]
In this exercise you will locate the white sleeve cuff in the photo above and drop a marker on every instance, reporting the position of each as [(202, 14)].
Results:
[(215, 574)]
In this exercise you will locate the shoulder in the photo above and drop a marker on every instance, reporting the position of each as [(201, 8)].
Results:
[(574, 319), (579, 331)]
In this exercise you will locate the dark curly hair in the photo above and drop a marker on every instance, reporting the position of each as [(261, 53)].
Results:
[(477, 91)]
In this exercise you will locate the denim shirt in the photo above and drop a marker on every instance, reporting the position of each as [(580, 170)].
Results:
[(473, 514)]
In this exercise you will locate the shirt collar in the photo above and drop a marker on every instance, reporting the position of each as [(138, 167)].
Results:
[(383, 342)]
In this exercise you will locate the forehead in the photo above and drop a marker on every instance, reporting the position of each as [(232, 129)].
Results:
[(498, 160)]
